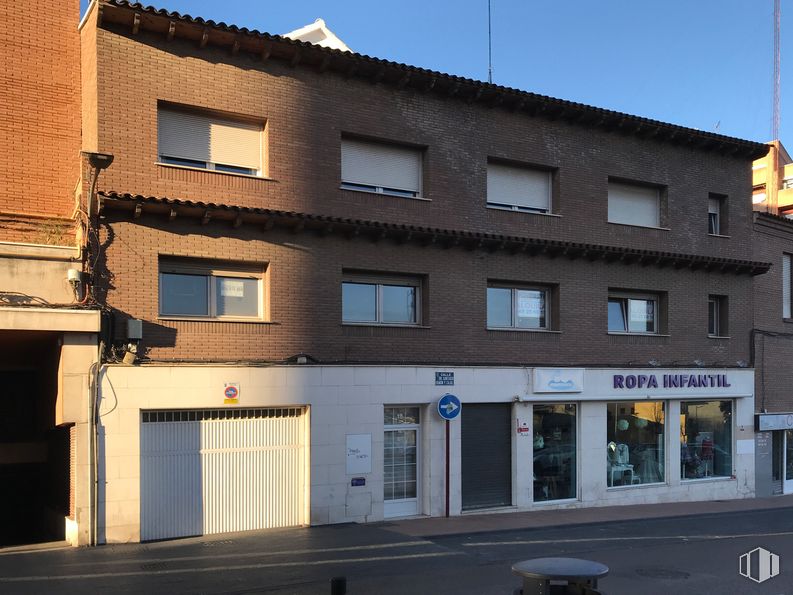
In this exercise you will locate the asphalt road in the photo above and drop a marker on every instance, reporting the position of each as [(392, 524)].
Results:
[(691, 555)]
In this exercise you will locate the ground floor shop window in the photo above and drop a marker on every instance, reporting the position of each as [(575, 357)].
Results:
[(635, 443), (400, 460), (705, 439), (554, 452)]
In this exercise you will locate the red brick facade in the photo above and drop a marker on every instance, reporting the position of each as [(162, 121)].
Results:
[(40, 121), (306, 113)]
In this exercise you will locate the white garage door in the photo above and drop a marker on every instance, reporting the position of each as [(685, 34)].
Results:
[(221, 470)]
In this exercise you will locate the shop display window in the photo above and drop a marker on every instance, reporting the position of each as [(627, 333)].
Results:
[(635, 449), (705, 439)]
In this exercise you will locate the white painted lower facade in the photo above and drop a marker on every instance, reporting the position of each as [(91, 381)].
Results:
[(345, 434)]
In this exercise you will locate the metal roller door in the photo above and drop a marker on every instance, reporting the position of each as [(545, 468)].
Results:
[(218, 471), (486, 455)]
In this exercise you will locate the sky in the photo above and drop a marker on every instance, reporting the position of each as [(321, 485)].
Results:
[(705, 64)]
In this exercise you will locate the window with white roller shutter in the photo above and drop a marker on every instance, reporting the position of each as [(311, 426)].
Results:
[(518, 188), (632, 204), (381, 168), (192, 139)]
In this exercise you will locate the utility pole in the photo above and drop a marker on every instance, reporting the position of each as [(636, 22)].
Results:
[(777, 74), (490, 45)]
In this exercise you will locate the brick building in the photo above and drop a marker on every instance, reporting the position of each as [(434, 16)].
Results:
[(772, 336), (320, 245), (48, 330)]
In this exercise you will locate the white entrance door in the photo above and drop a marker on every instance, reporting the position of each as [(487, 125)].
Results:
[(787, 467), (221, 470), (400, 461)]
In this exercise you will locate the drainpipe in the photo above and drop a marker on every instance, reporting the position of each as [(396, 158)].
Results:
[(93, 447), (98, 162)]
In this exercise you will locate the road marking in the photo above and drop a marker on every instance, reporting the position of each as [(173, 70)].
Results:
[(68, 577), (254, 554), (647, 538)]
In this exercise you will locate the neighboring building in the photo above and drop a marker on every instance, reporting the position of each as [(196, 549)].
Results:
[(48, 329), (772, 337), (320, 245), (772, 181)]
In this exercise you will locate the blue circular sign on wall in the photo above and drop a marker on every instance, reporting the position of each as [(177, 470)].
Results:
[(449, 407)]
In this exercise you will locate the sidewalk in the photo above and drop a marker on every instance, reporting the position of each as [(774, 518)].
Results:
[(535, 519)]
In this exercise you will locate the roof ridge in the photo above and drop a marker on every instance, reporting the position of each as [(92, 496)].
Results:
[(755, 148)]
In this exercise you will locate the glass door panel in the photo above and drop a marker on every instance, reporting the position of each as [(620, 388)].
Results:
[(787, 485), (555, 455)]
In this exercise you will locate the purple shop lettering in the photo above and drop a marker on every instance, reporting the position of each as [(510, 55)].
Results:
[(671, 381)]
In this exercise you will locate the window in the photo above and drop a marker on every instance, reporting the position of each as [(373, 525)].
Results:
[(714, 216), (522, 308), (634, 443), (381, 168), (381, 300), (211, 290), (193, 139), (705, 439), (717, 316), (786, 280), (717, 215), (518, 188), (633, 314), (634, 205)]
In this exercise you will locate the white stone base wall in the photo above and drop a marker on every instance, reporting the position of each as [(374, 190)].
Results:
[(346, 400)]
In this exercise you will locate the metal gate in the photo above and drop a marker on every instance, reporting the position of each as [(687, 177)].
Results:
[(221, 470), (486, 455)]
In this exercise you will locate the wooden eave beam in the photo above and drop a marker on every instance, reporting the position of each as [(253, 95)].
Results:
[(429, 240), (137, 211), (172, 214), (171, 30), (206, 217), (237, 221), (267, 50), (135, 23), (235, 47), (324, 64), (403, 81), (204, 38), (475, 97)]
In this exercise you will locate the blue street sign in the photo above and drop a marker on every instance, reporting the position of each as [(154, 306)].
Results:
[(449, 407)]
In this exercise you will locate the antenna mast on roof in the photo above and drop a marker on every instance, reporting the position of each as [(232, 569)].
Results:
[(775, 113), (490, 46)]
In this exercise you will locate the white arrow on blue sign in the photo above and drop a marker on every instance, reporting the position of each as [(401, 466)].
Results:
[(449, 407)]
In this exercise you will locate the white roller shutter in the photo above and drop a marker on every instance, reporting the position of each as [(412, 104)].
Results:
[(209, 139), (519, 187), (633, 205), (218, 471), (236, 143), (786, 286), (380, 165)]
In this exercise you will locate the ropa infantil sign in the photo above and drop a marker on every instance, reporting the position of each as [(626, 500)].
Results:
[(628, 381)]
